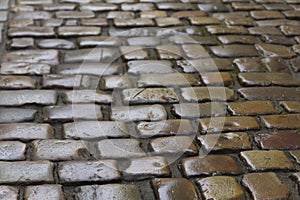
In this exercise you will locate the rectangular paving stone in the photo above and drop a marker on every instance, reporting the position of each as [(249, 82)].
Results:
[(237, 39), (24, 68), (285, 121), (261, 160), (210, 164), (149, 66), (267, 79), (118, 191), (138, 113), (56, 44), (174, 188), (272, 50), (278, 140), (252, 108), (136, 22), (270, 93), (205, 65), (98, 41), (120, 15), (26, 131), (218, 187), (147, 167), (234, 50), (91, 55), (204, 21), (88, 171), (50, 57), (217, 78), (94, 130), (26, 172), (226, 142), (22, 97), (34, 2), (261, 186), (74, 14), (16, 82), (17, 115), (192, 39), (232, 123), (175, 6), (4, 4), (134, 53), (53, 22), (249, 64), (58, 6), (33, 31), (12, 150), (44, 191), (115, 82), (201, 94), (143, 41), (15, 23), (98, 6), (9, 192), (65, 81), (87, 96), (195, 110), (291, 106), (153, 14), (165, 128), (174, 145), (96, 69), (169, 52), (60, 150), (94, 22), (35, 15), (220, 30), (149, 95), (119, 148), (68, 31), (22, 42), (72, 112)]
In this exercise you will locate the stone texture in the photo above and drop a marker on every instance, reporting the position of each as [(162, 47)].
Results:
[(271, 50), (194, 110), (69, 31), (249, 64), (270, 93), (17, 115), (226, 142), (22, 172), (60, 150), (167, 80), (252, 108), (56, 44), (72, 112), (149, 66), (33, 56), (16, 82), (232, 123), (287, 121), (93, 130), (205, 65), (108, 191), (164, 128), (210, 164), (262, 186), (291, 106), (25, 131), (260, 160), (65, 81), (207, 93), (22, 97), (24, 68), (149, 95), (147, 167), (46, 191), (174, 188), (174, 144), (217, 78), (234, 51), (33, 31), (88, 171), (119, 148), (137, 113), (12, 150), (278, 140), (218, 187), (115, 82), (9, 192)]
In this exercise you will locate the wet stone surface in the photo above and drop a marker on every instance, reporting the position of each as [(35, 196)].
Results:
[(149, 99)]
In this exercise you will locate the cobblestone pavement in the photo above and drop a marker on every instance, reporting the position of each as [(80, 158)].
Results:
[(150, 99)]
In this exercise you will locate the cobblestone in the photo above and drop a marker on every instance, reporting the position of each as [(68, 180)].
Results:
[(189, 99)]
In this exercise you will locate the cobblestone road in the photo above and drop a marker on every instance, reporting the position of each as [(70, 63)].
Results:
[(149, 99)]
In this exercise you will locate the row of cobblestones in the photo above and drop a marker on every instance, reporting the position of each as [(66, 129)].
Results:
[(150, 99)]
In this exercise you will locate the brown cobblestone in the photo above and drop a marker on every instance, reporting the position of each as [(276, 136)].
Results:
[(252, 108), (217, 188), (210, 164), (278, 140), (174, 188), (261, 186), (288, 121), (233, 141), (115, 82), (16, 82), (260, 160), (291, 106), (207, 93)]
